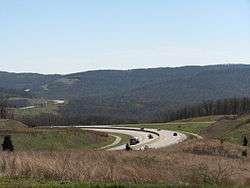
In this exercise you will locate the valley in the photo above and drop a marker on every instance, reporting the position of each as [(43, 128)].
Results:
[(140, 95), (107, 128)]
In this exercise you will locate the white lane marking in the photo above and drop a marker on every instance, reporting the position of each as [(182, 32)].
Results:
[(116, 142)]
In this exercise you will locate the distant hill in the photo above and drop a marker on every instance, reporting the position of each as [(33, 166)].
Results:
[(137, 94), (23, 81)]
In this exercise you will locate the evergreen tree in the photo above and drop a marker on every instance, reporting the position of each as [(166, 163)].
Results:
[(245, 141), (7, 144)]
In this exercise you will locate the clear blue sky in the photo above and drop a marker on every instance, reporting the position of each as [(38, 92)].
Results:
[(63, 36)]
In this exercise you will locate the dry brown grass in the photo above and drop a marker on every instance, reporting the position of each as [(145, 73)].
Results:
[(173, 165), (213, 148)]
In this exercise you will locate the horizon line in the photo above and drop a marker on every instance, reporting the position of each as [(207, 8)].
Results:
[(108, 69)]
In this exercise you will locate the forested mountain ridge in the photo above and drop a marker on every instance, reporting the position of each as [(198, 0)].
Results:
[(22, 81), (137, 94), (157, 83), (146, 94)]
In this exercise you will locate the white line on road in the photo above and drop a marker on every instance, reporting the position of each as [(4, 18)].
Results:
[(116, 142)]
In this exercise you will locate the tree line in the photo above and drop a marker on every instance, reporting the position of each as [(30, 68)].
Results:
[(218, 107), (229, 106)]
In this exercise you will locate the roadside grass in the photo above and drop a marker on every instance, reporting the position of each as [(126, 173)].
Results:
[(25, 138), (125, 138), (59, 140), (30, 183), (211, 118), (193, 127)]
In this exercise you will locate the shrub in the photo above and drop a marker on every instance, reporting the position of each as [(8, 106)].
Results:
[(202, 173), (245, 141), (7, 144)]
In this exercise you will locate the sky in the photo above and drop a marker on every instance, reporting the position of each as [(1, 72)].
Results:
[(66, 36)]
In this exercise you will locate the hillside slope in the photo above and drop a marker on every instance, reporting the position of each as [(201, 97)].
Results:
[(208, 82), (231, 129), (146, 94), (142, 93), (21, 81)]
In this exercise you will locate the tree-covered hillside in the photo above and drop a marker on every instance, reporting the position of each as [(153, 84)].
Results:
[(136, 94), (22, 81)]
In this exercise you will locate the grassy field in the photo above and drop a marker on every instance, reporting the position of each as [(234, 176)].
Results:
[(193, 127), (60, 140), (202, 119), (25, 138)]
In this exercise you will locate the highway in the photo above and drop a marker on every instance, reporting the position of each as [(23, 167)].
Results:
[(161, 138)]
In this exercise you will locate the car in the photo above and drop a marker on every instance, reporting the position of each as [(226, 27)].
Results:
[(150, 136), (134, 141), (174, 134)]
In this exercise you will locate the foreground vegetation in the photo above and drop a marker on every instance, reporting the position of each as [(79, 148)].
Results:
[(29, 183), (192, 162)]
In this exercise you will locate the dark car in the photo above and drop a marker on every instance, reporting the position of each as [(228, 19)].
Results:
[(150, 136), (134, 141), (175, 134)]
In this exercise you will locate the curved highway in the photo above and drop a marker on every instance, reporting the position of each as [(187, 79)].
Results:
[(161, 138)]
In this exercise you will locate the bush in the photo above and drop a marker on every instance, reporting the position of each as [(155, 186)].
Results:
[(245, 141), (202, 173), (7, 144)]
